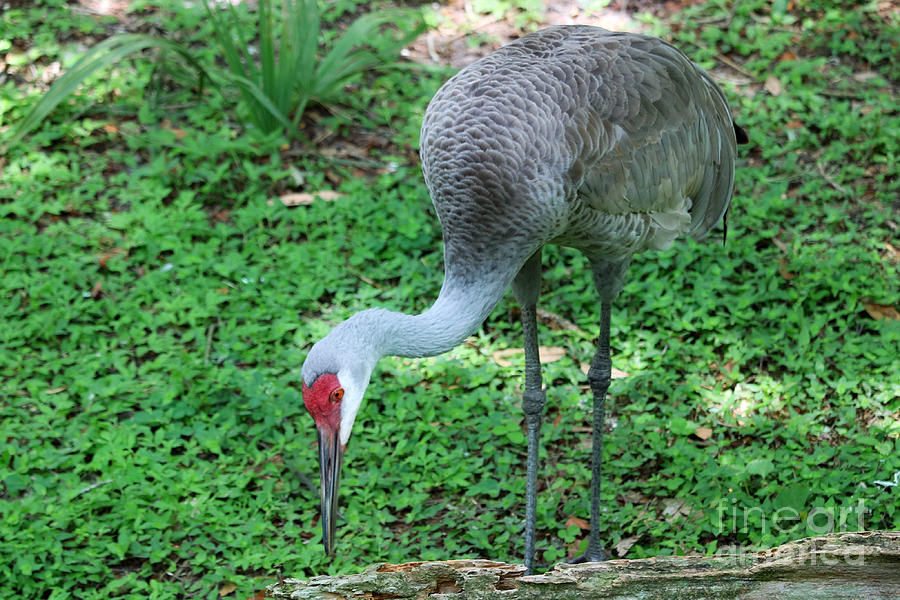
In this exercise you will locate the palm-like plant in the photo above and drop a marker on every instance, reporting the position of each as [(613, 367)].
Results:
[(291, 71)]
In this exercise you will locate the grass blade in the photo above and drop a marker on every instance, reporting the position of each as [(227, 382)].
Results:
[(102, 55), (239, 66), (353, 53), (259, 99)]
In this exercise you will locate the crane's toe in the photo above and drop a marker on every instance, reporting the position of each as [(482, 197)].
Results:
[(598, 555)]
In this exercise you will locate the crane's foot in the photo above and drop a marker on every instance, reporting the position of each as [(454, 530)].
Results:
[(589, 556)]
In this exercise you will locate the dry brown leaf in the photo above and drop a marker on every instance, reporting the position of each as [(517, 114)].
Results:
[(615, 374), (787, 55), (501, 356), (548, 354), (573, 548), (634, 497), (673, 507), (704, 433), (304, 198), (179, 133), (551, 354), (625, 545), (104, 258), (586, 443), (782, 269), (881, 311), (893, 254), (578, 522), (773, 86), (111, 128), (56, 390), (864, 76), (227, 589)]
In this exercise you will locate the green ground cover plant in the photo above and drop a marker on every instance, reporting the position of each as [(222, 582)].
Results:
[(157, 300)]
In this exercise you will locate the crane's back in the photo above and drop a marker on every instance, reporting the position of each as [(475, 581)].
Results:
[(607, 142)]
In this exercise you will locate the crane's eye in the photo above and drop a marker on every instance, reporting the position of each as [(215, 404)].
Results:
[(337, 395)]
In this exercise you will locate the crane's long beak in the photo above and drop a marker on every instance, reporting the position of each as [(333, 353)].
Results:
[(331, 454)]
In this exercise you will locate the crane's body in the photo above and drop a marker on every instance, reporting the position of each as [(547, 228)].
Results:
[(610, 143)]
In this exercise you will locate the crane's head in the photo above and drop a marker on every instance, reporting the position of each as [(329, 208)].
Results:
[(335, 376)]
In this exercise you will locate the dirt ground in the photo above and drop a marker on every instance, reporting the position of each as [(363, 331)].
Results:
[(464, 36)]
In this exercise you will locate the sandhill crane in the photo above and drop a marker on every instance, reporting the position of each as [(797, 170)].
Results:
[(609, 143)]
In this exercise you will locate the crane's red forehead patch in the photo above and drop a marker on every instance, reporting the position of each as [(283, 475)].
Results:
[(317, 399)]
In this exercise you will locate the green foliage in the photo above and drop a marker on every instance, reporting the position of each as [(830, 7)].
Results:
[(290, 75), (157, 302), (526, 12), (106, 53)]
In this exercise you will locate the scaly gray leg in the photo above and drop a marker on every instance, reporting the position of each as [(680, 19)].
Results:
[(599, 376), (533, 400), (527, 288)]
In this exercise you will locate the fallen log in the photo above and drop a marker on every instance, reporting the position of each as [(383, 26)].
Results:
[(860, 566)]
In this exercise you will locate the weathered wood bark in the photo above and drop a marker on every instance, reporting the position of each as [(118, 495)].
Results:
[(849, 565)]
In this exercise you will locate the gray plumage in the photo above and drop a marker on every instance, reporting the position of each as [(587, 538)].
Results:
[(610, 143)]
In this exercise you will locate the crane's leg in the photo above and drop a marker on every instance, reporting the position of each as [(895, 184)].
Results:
[(533, 399), (526, 288), (599, 376), (609, 277)]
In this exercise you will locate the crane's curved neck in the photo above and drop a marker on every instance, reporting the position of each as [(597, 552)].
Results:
[(466, 299), (460, 308)]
